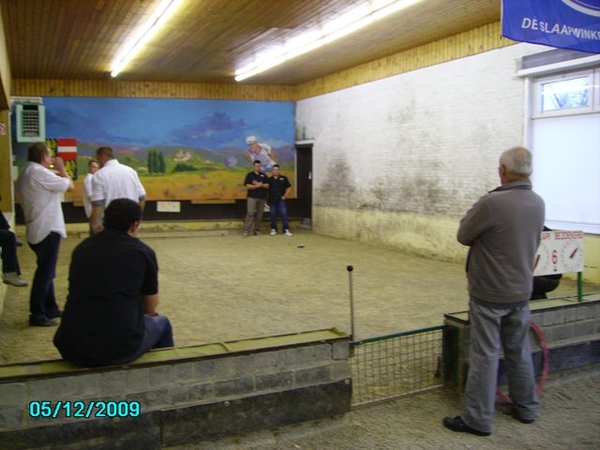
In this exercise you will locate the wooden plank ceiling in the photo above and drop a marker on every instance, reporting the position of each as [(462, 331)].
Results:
[(207, 40)]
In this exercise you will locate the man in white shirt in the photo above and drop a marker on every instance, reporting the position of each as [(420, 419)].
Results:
[(93, 167), (113, 180), (40, 192)]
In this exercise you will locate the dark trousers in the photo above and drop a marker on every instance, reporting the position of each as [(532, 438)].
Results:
[(9, 251), (41, 299)]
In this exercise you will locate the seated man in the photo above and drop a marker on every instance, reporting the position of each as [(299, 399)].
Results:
[(544, 284), (110, 316)]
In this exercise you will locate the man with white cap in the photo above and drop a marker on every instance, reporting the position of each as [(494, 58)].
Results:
[(258, 151)]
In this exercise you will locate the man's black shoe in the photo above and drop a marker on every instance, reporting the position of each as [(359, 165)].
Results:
[(55, 314), (520, 419), (45, 322), (525, 420), (457, 424)]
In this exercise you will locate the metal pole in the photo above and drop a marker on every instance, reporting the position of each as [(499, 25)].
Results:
[(352, 335)]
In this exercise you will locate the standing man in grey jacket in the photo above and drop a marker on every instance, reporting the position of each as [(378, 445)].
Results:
[(502, 231)]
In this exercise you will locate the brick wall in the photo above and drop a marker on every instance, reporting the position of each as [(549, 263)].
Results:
[(571, 330), (175, 392), (424, 144)]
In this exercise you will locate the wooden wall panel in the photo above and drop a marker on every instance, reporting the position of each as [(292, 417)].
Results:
[(5, 81), (479, 40), (131, 89), (6, 187)]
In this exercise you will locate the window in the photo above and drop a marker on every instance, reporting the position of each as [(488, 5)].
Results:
[(565, 94), (565, 142)]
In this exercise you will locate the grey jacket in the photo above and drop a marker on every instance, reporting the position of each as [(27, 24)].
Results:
[(503, 230)]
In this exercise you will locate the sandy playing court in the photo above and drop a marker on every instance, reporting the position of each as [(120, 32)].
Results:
[(217, 286), (222, 287)]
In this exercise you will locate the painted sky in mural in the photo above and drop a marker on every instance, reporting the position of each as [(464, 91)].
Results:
[(182, 149)]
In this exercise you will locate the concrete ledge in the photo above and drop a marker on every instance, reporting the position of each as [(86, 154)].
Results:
[(176, 228), (50, 368), (143, 432), (177, 395), (562, 357), (233, 418), (190, 423), (571, 330)]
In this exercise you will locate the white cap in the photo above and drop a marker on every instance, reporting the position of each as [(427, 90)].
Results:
[(251, 140)]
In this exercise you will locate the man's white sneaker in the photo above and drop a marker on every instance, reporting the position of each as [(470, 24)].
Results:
[(273, 231), (287, 233)]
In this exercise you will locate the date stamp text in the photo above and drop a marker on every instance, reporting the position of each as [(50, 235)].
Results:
[(87, 409)]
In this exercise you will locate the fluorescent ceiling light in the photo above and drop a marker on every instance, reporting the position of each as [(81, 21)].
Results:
[(388, 8), (156, 20), (346, 19), (348, 23), (348, 29)]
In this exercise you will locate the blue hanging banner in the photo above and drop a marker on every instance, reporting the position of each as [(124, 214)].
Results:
[(570, 24)]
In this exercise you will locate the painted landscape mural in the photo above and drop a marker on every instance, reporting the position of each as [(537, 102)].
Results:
[(182, 149)]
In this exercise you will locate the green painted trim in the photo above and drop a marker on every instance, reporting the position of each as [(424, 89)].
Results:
[(403, 333)]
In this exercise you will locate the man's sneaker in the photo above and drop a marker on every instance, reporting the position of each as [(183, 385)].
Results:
[(273, 231), (244, 234), (287, 233), (256, 233)]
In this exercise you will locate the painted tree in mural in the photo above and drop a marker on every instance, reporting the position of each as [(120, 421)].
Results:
[(162, 168), (156, 162), (151, 161)]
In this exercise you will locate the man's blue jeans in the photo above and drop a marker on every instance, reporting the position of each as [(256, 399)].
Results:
[(159, 333), (42, 302), (279, 207)]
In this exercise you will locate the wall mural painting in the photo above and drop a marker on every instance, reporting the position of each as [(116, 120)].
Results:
[(197, 150)]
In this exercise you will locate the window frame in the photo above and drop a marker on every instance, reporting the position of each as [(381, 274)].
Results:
[(538, 83)]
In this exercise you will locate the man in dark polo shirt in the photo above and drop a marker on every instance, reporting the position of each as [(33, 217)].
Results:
[(110, 315), (256, 183), (279, 191)]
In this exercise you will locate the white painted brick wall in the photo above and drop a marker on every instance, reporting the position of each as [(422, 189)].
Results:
[(424, 142)]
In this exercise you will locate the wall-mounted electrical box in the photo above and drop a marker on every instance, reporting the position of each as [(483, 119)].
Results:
[(31, 122)]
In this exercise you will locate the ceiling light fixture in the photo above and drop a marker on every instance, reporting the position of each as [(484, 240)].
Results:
[(350, 22), (156, 20)]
